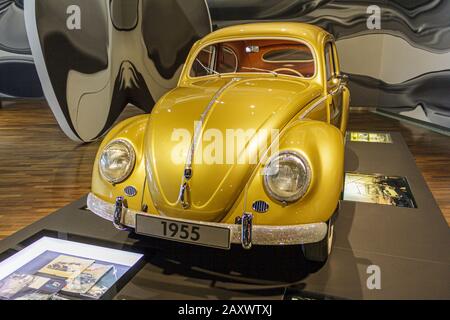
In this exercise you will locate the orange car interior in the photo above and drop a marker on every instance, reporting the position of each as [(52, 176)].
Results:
[(264, 56)]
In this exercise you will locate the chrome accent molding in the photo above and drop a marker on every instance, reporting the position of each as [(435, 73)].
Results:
[(118, 211), (261, 234), (246, 231), (312, 107), (200, 123), (184, 194), (187, 173)]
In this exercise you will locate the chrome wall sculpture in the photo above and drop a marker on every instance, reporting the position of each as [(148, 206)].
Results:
[(96, 56), (18, 77), (404, 65)]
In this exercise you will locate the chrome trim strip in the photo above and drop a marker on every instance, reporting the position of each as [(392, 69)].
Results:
[(209, 16), (187, 174), (261, 234), (312, 107), (203, 116)]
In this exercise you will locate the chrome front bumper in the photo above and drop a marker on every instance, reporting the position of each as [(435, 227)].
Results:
[(259, 234)]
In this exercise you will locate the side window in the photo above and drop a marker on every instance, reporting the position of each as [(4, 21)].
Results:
[(329, 61), (204, 63)]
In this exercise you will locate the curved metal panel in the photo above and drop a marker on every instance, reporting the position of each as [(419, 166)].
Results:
[(93, 56)]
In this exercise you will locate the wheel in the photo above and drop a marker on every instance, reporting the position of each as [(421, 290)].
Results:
[(320, 251)]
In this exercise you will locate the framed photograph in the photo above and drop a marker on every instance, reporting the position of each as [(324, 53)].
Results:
[(87, 278), (369, 137), (14, 283), (379, 189), (66, 266), (54, 269)]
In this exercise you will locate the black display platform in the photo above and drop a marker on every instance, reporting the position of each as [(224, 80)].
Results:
[(411, 246)]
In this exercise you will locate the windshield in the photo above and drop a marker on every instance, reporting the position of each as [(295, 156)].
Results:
[(273, 56)]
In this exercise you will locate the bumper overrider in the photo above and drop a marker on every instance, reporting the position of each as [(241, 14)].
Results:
[(244, 232)]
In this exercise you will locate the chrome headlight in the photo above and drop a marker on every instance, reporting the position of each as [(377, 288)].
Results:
[(287, 176), (117, 161)]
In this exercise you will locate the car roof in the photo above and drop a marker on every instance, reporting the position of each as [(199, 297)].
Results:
[(296, 30)]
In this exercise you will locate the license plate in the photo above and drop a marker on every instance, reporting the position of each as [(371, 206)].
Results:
[(198, 234)]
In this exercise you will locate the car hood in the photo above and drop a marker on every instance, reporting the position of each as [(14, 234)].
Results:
[(254, 106)]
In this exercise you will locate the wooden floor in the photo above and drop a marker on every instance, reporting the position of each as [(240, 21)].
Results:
[(41, 170)]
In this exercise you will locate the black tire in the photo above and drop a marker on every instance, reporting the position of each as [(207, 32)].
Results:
[(319, 251)]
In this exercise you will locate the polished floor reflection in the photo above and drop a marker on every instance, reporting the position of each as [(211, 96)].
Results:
[(41, 170)]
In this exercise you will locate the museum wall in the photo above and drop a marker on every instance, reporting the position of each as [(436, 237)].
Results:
[(402, 63)]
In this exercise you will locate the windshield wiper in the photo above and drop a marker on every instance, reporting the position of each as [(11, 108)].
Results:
[(209, 70), (258, 69)]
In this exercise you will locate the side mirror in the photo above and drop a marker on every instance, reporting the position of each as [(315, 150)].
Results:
[(338, 81), (343, 78)]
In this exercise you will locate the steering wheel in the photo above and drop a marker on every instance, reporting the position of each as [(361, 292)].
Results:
[(290, 70)]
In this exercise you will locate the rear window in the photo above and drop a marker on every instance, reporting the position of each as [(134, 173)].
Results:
[(288, 55)]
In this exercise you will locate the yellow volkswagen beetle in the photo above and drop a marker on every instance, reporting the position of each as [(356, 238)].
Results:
[(248, 149)]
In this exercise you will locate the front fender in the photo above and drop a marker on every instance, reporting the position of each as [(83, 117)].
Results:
[(132, 130), (323, 146)]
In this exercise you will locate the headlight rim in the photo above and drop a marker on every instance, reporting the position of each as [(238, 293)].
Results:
[(132, 153), (303, 191)]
